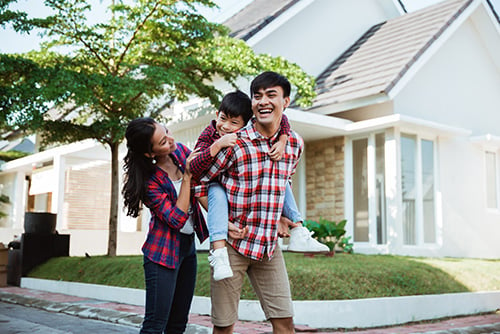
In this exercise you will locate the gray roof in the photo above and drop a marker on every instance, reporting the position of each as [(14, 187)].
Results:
[(381, 57), (256, 16)]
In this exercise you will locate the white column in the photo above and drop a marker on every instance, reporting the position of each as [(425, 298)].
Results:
[(58, 190), (392, 190), (19, 200), (372, 187)]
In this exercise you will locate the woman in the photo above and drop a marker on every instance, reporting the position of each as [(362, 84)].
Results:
[(157, 175)]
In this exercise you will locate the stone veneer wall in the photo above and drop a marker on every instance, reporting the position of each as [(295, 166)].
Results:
[(325, 179)]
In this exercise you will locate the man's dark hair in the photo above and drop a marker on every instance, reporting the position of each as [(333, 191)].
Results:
[(236, 104), (270, 79)]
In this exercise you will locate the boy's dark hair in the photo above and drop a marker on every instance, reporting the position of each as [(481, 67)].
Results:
[(270, 79), (236, 104)]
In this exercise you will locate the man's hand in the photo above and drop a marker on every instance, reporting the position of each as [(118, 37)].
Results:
[(237, 233), (284, 225)]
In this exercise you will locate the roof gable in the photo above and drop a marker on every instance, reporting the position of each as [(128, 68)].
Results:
[(259, 13), (375, 63)]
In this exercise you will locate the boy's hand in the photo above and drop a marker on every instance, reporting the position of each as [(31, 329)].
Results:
[(227, 140), (236, 233), (277, 150)]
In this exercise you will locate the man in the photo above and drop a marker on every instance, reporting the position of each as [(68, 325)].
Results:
[(255, 186)]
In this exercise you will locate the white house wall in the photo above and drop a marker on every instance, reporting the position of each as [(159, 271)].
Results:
[(458, 86), (321, 31), (469, 228)]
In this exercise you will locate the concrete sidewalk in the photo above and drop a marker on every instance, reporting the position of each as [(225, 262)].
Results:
[(132, 316)]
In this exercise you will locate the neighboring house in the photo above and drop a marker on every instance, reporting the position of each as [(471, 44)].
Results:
[(402, 139)]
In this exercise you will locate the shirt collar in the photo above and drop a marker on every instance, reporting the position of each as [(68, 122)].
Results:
[(250, 132)]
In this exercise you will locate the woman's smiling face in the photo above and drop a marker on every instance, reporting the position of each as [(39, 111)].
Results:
[(162, 141)]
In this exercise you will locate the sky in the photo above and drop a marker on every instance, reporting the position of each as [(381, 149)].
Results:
[(11, 42)]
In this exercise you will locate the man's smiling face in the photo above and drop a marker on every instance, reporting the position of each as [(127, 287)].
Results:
[(268, 105)]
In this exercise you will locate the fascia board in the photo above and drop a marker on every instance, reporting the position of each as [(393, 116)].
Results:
[(311, 118), (277, 22), (487, 141), (398, 120), (48, 155), (353, 104)]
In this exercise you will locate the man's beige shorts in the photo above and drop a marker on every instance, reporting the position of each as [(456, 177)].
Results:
[(269, 280)]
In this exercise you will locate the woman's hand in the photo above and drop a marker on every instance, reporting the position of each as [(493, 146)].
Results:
[(191, 156)]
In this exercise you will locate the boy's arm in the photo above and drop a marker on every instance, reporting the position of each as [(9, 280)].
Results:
[(209, 147), (278, 148)]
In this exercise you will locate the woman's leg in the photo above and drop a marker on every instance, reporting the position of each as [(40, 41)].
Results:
[(160, 287), (184, 291)]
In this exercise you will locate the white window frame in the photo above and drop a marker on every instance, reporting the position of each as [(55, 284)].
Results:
[(419, 207), (496, 152)]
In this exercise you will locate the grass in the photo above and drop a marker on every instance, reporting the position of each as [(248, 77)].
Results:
[(344, 276)]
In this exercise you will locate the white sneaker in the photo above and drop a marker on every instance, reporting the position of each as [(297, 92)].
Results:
[(302, 242), (219, 260)]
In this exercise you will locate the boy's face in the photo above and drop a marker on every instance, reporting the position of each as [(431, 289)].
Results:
[(268, 105), (225, 124)]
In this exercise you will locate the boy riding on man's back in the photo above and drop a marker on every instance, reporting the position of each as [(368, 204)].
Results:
[(234, 113)]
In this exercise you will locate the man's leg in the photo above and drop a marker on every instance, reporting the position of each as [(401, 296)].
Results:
[(270, 282), (225, 294), (223, 330), (282, 325)]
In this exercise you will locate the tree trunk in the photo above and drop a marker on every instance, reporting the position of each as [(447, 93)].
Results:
[(113, 209)]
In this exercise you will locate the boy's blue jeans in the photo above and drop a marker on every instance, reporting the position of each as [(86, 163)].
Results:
[(218, 210)]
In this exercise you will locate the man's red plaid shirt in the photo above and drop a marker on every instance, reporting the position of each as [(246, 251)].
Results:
[(255, 186)]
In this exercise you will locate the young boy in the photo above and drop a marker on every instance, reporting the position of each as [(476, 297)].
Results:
[(234, 113)]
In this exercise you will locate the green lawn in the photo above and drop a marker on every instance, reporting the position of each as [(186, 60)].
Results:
[(344, 276)]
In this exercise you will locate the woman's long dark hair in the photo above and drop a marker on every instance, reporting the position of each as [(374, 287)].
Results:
[(137, 166)]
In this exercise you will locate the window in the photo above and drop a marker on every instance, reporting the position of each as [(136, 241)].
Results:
[(418, 188), (368, 184), (491, 180), (360, 189)]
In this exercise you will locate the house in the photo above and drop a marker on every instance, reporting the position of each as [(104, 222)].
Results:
[(401, 139)]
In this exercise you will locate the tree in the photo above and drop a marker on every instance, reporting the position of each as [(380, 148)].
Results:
[(111, 72)]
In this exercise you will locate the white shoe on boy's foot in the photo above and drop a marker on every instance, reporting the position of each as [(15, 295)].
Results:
[(219, 260), (301, 241)]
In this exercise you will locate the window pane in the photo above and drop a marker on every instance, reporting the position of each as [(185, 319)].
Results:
[(428, 191), (360, 188), (380, 195), (408, 160), (491, 180)]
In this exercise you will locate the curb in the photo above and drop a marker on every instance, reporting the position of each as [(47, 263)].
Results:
[(386, 311), (82, 311)]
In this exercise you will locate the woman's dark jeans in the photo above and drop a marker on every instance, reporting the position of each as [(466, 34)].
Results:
[(169, 292)]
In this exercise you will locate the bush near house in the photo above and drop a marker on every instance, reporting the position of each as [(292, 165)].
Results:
[(330, 233)]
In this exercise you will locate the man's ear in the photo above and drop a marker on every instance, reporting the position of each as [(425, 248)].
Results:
[(287, 102)]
